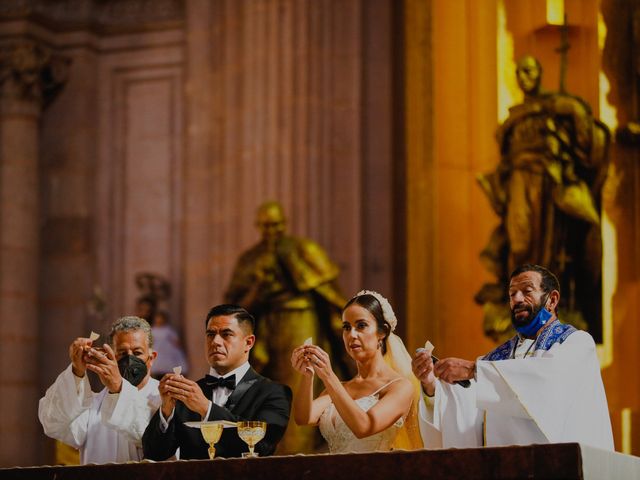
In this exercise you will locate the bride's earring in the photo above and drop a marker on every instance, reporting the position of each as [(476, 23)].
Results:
[(379, 343)]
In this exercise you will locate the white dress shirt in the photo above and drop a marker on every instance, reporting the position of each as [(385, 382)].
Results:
[(222, 394)]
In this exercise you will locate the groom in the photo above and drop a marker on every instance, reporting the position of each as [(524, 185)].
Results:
[(232, 391)]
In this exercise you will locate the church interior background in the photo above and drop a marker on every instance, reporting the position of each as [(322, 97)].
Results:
[(141, 135)]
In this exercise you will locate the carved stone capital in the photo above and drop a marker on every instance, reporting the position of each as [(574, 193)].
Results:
[(112, 16), (32, 72)]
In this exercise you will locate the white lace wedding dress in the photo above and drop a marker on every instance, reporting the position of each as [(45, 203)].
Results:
[(342, 440)]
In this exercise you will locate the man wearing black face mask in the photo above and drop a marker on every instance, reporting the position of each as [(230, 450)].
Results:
[(105, 426), (541, 386)]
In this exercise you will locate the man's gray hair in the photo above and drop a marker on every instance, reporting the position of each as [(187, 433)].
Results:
[(128, 324)]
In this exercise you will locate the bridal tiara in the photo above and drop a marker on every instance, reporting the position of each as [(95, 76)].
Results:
[(387, 311)]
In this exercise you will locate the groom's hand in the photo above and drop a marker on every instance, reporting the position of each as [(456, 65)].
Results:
[(189, 393), (168, 402)]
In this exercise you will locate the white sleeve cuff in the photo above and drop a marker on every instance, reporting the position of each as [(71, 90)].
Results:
[(164, 423), (208, 411)]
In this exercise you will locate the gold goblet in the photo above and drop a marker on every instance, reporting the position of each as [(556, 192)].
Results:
[(211, 433), (251, 432)]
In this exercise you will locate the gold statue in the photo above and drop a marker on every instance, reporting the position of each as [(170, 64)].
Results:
[(288, 284), (546, 190)]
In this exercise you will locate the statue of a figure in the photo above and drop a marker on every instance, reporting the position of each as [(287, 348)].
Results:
[(629, 52), (154, 290), (288, 284), (546, 190)]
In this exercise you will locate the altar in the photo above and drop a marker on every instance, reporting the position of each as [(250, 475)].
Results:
[(559, 461)]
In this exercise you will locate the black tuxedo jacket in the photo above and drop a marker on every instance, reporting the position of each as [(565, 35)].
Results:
[(255, 398)]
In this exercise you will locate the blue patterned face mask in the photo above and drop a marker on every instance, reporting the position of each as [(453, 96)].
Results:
[(540, 319)]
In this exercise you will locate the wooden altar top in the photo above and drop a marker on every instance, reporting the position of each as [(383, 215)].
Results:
[(564, 461)]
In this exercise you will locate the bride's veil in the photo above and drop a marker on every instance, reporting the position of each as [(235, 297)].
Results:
[(398, 358)]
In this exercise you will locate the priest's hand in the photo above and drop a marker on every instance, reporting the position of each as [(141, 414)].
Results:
[(452, 369), (422, 366), (188, 392), (77, 354), (105, 365)]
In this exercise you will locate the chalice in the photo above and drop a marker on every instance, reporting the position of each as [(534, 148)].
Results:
[(211, 433), (251, 432)]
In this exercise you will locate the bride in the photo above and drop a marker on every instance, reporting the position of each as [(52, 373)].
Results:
[(375, 410)]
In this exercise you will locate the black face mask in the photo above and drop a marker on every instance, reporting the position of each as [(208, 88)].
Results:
[(132, 369)]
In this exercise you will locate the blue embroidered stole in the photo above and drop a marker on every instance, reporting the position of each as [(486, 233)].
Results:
[(556, 332)]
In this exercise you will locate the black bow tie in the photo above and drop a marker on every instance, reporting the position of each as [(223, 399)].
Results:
[(219, 382)]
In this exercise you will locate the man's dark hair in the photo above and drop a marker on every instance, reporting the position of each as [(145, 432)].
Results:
[(245, 319), (549, 280)]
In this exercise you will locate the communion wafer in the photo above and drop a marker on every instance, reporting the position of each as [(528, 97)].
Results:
[(428, 346)]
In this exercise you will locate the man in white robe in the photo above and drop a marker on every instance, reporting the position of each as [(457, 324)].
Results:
[(542, 386), (105, 426)]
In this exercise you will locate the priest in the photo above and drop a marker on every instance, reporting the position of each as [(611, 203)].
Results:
[(541, 386), (106, 426)]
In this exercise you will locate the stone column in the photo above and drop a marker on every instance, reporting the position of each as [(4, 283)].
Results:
[(273, 103), (27, 77)]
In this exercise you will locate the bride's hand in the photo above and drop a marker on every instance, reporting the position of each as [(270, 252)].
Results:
[(319, 360), (300, 362)]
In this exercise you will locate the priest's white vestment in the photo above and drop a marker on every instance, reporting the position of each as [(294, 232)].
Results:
[(105, 427), (555, 395)]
